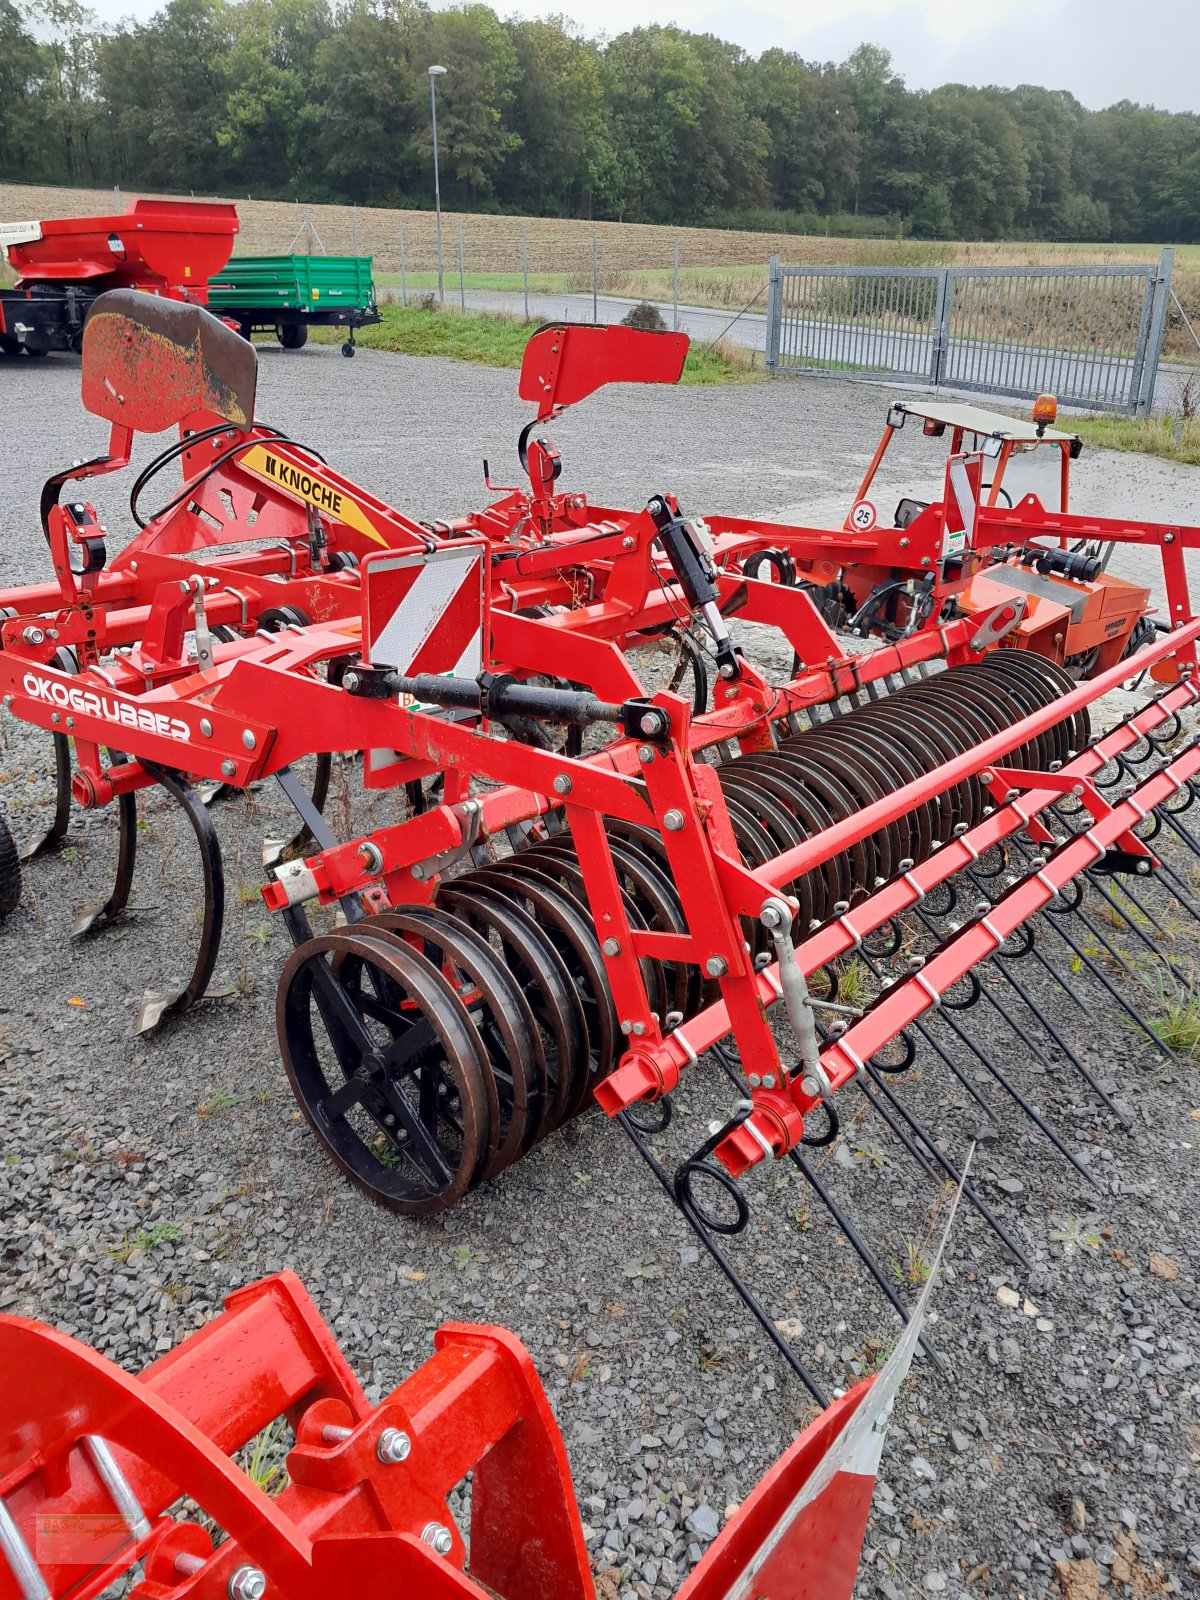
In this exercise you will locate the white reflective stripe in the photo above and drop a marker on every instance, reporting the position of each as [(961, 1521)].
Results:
[(923, 982), (759, 1138), (432, 593), (852, 1056), (964, 497)]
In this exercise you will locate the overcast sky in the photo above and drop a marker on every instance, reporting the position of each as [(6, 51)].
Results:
[(1101, 50)]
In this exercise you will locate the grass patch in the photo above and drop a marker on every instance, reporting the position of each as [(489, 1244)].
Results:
[(488, 340), (1176, 1015), (1171, 438)]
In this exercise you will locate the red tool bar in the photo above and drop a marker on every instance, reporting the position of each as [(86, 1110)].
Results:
[(643, 1078), (908, 999), (832, 841)]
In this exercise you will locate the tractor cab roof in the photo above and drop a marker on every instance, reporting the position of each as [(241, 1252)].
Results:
[(974, 419)]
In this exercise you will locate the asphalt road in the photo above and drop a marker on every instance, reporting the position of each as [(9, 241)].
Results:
[(974, 366)]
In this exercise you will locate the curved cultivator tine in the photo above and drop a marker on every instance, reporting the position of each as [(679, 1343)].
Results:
[(155, 1004), (53, 835), (91, 917)]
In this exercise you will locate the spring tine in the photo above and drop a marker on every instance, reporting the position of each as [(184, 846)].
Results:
[(1131, 923), (878, 1106), (948, 1167), (859, 1244), (1038, 955), (1045, 1022), (922, 1029), (1102, 978), (744, 1292), (1026, 1106), (861, 1249), (998, 965)]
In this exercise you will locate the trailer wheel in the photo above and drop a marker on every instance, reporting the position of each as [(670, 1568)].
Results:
[(348, 348), (8, 345), (10, 872), (292, 335)]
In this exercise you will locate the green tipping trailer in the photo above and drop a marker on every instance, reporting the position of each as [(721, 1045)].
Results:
[(287, 295)]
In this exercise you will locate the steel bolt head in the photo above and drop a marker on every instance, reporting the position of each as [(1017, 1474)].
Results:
[(769, 1081), (206, 727), (753, 1080), (639, 1029), (229, 768), (248, 739), (716, 966), (811, 1088), (650, 722), (673, 821), (352, 681), (247, 1583), (55, 718), (393, 1446), (438, 1538), (563, 784), (645, 754), (611, 947), (32, 635)]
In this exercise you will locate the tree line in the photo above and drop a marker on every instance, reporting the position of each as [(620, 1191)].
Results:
[(313, 100)]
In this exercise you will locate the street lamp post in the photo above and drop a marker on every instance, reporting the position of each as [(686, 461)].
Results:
[(434, 74)]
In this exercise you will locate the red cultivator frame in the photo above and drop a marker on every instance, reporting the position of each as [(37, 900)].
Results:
[(91, 1460), (595, 884)]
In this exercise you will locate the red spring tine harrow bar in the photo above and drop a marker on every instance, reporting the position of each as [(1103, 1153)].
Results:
[(596, 884), (92, 1461)]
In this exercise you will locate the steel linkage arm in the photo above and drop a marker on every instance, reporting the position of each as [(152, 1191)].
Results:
[(91, 1458)]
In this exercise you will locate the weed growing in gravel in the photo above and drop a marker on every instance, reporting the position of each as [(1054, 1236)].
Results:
[(145, 1239), (263, 1459), (1074, 1236), (1176, 1015), (221, 1101), (852, 982), (915, 1267)]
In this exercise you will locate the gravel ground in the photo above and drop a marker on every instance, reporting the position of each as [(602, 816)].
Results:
[(141, 1180)]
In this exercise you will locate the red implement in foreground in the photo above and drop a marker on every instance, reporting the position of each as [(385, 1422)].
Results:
[(92, 1461)]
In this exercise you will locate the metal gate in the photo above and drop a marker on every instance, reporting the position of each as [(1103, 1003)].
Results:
[(1090, 335)]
